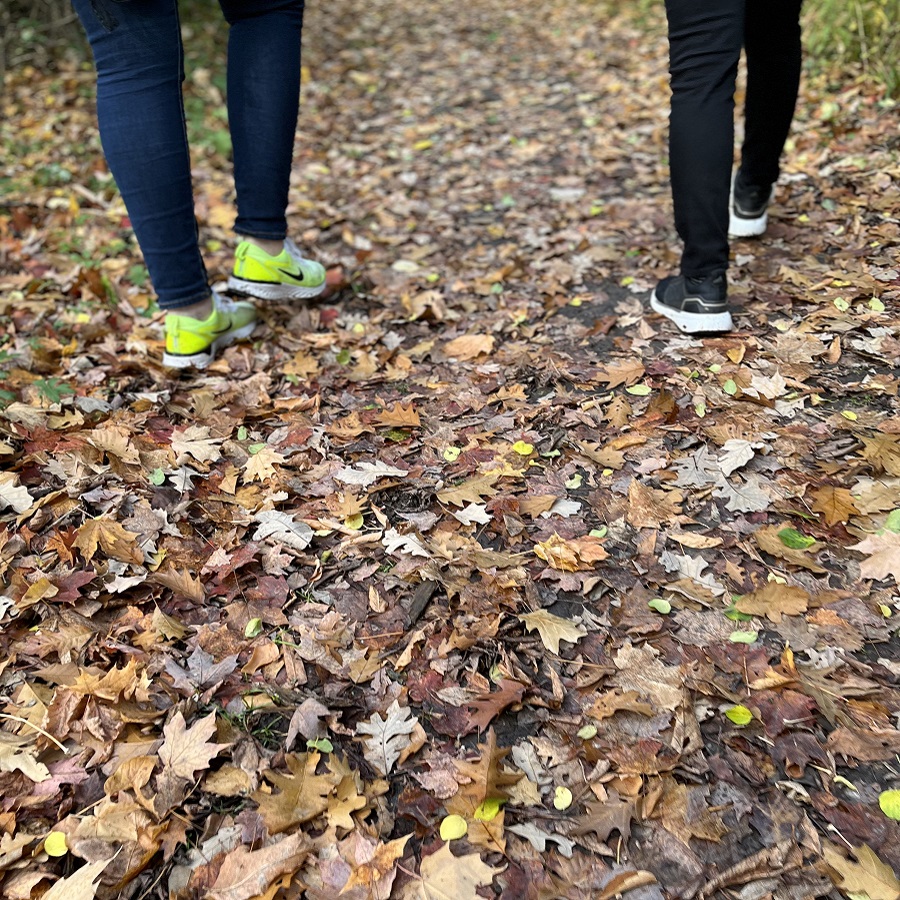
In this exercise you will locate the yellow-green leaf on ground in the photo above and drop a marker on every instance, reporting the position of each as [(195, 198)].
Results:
[(740, 715), (889, 801), (453, 827)]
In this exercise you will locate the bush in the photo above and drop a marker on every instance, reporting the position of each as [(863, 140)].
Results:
[(855, 33)]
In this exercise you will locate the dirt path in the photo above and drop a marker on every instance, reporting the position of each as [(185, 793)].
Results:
[(477, 538)]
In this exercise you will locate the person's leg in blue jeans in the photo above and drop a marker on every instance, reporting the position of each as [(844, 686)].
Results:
[(139, 105), (139, 60)]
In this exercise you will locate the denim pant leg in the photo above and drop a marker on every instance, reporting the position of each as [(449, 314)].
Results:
[(774, 57), (139, 105), (704, 49), (263, 102)]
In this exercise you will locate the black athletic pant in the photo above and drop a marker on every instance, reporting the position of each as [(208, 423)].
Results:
[(705, 38)]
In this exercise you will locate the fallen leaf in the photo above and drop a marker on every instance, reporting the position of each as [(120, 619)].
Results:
[(552, 629), (185, 750), (388, 737), (868, 876), (443, 876)]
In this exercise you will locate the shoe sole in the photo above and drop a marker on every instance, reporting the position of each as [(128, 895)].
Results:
[(742, 226), (202, 360), (739, 227), (274, 291), (693, 323)]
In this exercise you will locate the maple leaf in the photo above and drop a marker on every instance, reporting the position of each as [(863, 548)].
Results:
[(12, 494), (15, 756), (111, 537), (868, 876), (302, 796), (884, 556), (468, 346), (480, 801), (260, 466), (388, 737), (769, 541), (698, 470), (185, 750), (883, 452), (443, 876), (470, 491), (79, 886), (248, 873), (194, 441), (835, 503), (490, 705), (374, 864), (649, 508), (773, 601), (683, 811), (553, 629)]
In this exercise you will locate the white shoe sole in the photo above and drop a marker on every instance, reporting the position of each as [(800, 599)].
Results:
[(739, 227), (263, 291), (202, 360), (693, 323)]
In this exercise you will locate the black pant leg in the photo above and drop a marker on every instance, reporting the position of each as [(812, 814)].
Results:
[(772, 41), (704, 49)]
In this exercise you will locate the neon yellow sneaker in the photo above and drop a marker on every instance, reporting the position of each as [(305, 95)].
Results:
[(192, 342), (287, 276)]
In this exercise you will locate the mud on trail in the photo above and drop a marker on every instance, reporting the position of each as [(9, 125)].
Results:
[(477, 547)]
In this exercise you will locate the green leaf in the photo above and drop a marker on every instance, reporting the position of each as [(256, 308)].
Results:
[(736, 615), (562, 798), (588, 732), (489, 809), (343, 357), (660, 605), (254, 627), (600, 532), (453, 827), (743, 637), (157, 477), (639, 390), (740, 715), (451, 454), (889, 801), (53, 389), (253, 449), (242, 433), (730, 387), (892, 523), (323, 745), (792, 538)]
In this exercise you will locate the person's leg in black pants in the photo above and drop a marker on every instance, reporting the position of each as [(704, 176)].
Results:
[(704, 49), (774, 54)]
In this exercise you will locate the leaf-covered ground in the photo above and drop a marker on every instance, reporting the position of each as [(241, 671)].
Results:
[(477, 545)]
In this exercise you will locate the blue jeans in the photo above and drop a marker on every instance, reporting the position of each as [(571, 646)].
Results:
[(705, 42), (140, 69)]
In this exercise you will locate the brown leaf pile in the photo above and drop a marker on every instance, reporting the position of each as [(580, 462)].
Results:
[(409, 553)]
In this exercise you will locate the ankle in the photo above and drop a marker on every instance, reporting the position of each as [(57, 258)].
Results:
[(200, 311), (273, 248)]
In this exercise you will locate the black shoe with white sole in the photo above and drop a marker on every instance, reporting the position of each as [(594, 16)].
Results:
[(748, 209), (695, 305)]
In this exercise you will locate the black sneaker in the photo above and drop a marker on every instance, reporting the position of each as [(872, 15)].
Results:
[(695, 305), (748, 214)]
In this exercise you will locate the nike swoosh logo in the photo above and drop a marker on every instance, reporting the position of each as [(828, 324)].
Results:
[(223, 330), (292, 275)]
